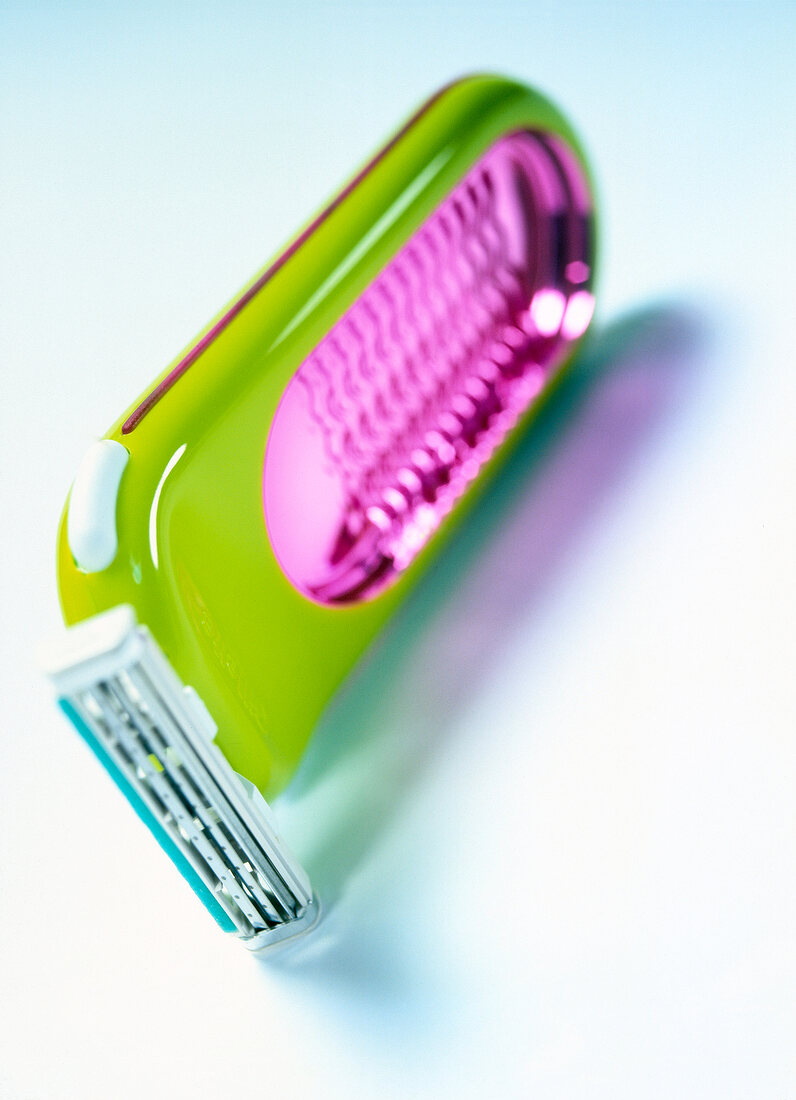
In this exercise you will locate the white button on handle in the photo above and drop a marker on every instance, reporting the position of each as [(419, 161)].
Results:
[(91, 519)]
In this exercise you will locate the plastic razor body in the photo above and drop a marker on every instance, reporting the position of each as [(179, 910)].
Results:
[(257, 515)]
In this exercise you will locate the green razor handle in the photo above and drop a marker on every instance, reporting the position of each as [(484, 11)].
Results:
[(235, 542)]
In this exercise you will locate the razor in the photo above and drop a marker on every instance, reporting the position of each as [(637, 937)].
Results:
[(232, 546)]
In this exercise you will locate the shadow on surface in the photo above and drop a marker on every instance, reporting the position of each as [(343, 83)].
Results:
[(396, 712)]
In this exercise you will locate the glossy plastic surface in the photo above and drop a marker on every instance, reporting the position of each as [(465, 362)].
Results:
[(395, 412), (194, 557)]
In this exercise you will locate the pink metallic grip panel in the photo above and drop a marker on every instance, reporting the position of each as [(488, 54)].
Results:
[(393, 414)]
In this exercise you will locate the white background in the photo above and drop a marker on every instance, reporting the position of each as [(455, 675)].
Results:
[(552, 818)]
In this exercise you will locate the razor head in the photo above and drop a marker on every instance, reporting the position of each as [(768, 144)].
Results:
[(155, 738), (394, 413)]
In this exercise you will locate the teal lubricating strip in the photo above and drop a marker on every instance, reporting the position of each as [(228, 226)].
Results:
[(145, 814)]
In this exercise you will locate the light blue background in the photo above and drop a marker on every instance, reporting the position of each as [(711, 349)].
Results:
[(553, 817)]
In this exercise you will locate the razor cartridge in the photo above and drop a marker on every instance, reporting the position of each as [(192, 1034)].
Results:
[(232, 546), (155, 738)]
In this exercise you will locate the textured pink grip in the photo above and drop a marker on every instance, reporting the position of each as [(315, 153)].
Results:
[(393, 414)]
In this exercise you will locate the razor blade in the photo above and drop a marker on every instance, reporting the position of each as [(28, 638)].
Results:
[(252, 521), (155, 736)]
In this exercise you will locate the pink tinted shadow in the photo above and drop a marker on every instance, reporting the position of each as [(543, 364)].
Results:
[(393, 414)]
